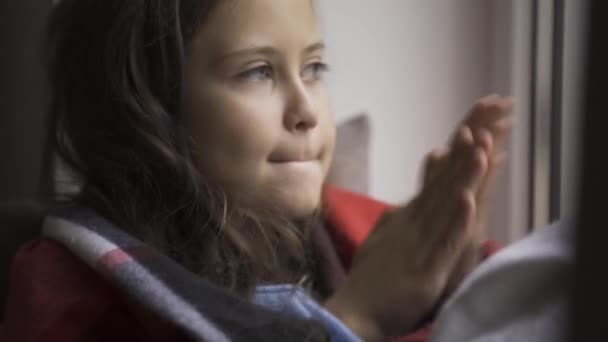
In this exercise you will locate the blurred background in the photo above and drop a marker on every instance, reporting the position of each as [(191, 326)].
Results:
[(412, 68), (416, 67)]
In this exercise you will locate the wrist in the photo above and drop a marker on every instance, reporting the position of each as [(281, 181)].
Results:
[(361, 324)]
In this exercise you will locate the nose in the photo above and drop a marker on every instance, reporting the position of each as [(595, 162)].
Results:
[(300, 115)]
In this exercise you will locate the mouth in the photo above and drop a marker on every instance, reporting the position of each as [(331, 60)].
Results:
[(297, 167), (296, 164), (300, 168), (294, 158), (293, 161)]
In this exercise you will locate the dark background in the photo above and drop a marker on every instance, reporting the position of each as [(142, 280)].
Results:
[(591, 276), (22, 97)]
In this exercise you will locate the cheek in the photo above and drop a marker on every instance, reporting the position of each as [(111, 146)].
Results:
[(327, 124), (330, 140), (230, 130)]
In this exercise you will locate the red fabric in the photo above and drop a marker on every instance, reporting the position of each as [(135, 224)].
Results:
[(350, 217), (65, 298)]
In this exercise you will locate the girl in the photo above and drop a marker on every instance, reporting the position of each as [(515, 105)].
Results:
[(202, 132)]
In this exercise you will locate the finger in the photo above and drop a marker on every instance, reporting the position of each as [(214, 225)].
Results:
[(490, 109), (487, 111), (447, 161), (493, 173), (471, 178), (447, 247), (436, 201), (477, 170), (469, 258), (503, 124), (478, 113), (463, 173), (495, 165), (499, 116), (485, 140), (463, 168), (463, 139), (487, 189), (472, 169), (496, 158), (433, 163), (493, 145), (500, 130)]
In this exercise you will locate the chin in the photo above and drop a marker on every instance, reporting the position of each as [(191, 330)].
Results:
[(300, 205), (302, 212)]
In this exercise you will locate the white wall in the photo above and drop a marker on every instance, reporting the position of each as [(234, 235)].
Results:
[(416, 66)]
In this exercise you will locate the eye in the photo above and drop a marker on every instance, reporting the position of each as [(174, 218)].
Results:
[(315, 71), (260, 73)]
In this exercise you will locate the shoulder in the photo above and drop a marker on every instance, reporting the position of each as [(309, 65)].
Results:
[(53, 295)]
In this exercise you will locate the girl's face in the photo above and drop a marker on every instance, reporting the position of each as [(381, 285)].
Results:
[(256, 106)]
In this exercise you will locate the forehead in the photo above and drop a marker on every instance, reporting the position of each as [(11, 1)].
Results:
[(243, 23)]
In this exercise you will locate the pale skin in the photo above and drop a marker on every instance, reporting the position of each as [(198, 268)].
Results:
[(258, 112), (256, 106)]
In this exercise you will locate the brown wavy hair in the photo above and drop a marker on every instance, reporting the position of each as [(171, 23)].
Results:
[(115, 69)]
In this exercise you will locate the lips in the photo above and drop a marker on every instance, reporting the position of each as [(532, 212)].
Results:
[(292, 159), (293, 156)]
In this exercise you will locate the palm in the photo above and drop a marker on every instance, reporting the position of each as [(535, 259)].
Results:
[(487, 125)]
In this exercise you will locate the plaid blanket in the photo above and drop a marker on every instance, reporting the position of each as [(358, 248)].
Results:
[(159, 287), (55, 280)]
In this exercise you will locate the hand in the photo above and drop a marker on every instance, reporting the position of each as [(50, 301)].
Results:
[(405, 265), (488, 125)]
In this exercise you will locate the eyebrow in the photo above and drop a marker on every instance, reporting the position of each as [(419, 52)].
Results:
[(269, 50)]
